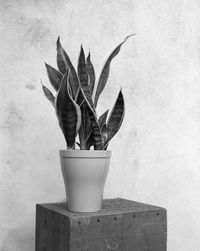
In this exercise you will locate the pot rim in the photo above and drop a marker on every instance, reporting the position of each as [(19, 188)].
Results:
[(85, 153)]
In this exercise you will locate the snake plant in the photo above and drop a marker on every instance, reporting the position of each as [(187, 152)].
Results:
[(75, 101)]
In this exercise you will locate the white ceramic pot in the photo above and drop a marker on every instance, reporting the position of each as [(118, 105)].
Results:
[(84, 174)]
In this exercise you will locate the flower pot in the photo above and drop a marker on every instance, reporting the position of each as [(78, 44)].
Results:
[(84, 174)]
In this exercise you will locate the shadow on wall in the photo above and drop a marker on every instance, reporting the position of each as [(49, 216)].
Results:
[(19, 239)]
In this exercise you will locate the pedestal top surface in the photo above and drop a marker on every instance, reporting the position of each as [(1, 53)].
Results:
[(110, 207)]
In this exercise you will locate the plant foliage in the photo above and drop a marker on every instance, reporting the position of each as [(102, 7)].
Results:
[(74, 103)]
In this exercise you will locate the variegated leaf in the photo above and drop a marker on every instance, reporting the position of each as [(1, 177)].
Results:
[(86, 120), (95, 137), (83, 77), (102, 119), (55, 76), (62, 58), (80, 98), (104, 137), (82, 73), (68, 112), (115, 119), (85, 129), (104, 73), (91, 73), (89, 142), (96, 133), (64, 63), (48, 94)]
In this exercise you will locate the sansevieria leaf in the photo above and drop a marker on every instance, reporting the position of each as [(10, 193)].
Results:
[(68, 112), (85, 93), (62, 58), (91, 73), (102, 119), (104, 73), (64, 63), (83, 77), (115, 119), (86, 120), (96, 133), (89, 142), (55, 76), (48, 94), (85, 129), (95, 137), (82, 73), (80, 98), (89, 133)]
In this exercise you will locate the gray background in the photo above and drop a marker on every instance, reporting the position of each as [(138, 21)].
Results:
[(155, 156)]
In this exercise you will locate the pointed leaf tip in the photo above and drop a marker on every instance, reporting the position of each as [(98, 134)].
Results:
[(91, 73), (103, 76), (88, 56), (54, 76), (48, 94), (64, 63), (116, 117), (58, 42), (131, 35), (82, 53)]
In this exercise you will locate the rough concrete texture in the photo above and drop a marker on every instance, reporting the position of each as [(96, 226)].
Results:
[(155, 156)]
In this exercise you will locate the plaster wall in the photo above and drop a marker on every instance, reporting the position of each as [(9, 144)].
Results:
[(155, 155)]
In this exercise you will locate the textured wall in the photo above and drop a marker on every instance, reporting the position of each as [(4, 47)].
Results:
[(155, 154)]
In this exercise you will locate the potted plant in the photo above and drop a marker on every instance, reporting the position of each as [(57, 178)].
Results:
[(84, 170)]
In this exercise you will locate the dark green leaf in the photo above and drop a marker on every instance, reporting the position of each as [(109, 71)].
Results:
[(95, 137), (86, 120), (96, 133), (103, 77), (115, 119), (68, 112), (82, 73), (55, 76), (80, 98), (102, 119), (62, 58), (85, 129), (83, 77), (103, 128), (89, 142), (104, 137), (64, 63), (48, 94), (91, 73)]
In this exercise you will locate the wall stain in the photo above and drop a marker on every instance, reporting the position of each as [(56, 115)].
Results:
[(31, 86), (37, 30), (14, 118)]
